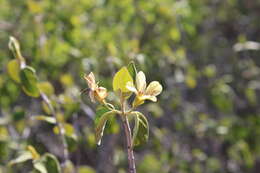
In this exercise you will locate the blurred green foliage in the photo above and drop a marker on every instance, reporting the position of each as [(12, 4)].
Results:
[(207, 119)]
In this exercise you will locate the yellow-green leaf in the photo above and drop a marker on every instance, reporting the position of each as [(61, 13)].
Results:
[(86, 169), (46, 87), (13, 70), (69, 130), (32, 150), (46, 108), (29, 81), (48, 119), (120, 80), (23, 157), (66, 80), (39, 166)]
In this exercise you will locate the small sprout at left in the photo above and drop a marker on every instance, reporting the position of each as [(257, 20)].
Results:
[(95, 92), (141, 91)]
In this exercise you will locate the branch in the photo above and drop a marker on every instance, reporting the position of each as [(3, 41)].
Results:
[(60, 127), (131, 159)]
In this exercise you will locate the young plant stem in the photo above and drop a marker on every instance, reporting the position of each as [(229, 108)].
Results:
[(60, 127), (131, 159)]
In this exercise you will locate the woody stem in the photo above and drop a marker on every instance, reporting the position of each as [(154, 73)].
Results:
[(131, 160)]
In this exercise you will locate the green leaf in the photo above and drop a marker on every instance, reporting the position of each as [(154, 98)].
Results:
[(46, 87), (69, 130), (120, 80), (40, 166), (141, 129), (50, 163), (29, 81), (23, 157), (48, 119), (13, 70), (99, 112), (132, 69), (100, 125)]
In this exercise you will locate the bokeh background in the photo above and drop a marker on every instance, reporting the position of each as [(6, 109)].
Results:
[(204, 52)]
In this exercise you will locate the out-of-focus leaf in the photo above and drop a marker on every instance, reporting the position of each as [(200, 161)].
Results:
[(48, 119), (191, 82), (248, 45), (209, 71), (86, 169), (67, 80), (141, 129), (4, 135), (69, 130), (33, 151), (14, 46), (39, 166), (150, 163), (68, 167), (4, 121), (13, 69), (34, 6), (175, 34), (29, 81), (72, 142), (46, 87), (46, 108), (155, 109), (100, 125), (18, 114), (48, 163), (23, 157), (120, 80)]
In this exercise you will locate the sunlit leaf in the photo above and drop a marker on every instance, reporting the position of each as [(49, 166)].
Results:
[(34, 6), (48, 163), (29, 81), (40, 166), (66, 80), (86, 169), (13, 70), (23, 157), (46, 87), (141, 129), (191, 82), (120, 80), (33, 151), (48, 119)]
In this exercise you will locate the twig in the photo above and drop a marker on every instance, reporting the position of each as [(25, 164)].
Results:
[(60, 127), (131, 159)]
